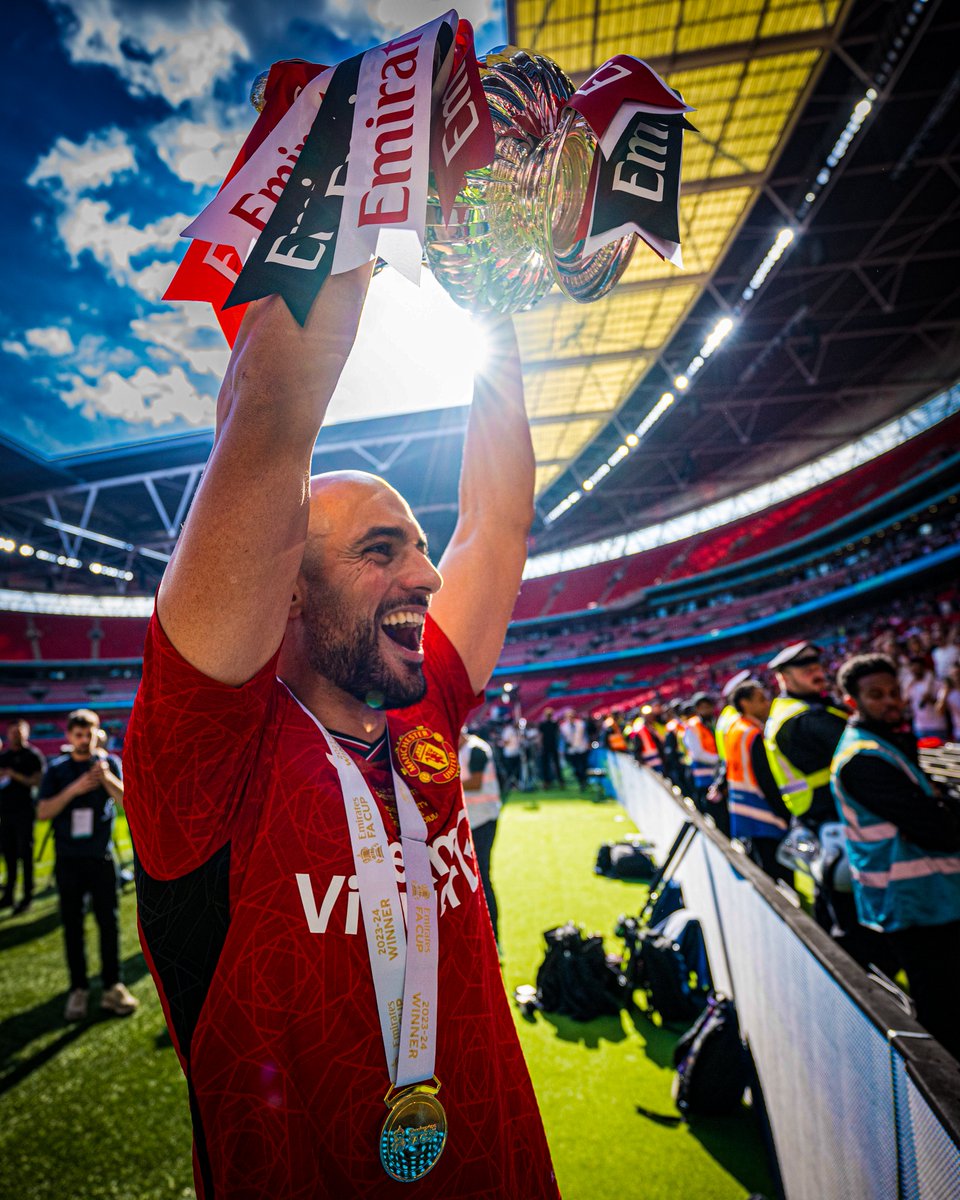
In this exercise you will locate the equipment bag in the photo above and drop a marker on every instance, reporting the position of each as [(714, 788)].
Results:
[(656, 964), (669, 900), (685, 931), (625, 860), (713, 1067), (575, 979)]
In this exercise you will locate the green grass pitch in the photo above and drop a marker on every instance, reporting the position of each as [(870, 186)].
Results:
[(99, 1110)]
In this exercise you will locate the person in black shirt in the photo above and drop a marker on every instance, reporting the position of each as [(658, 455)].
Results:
[(21, 768), (78, 794), (550, 768)]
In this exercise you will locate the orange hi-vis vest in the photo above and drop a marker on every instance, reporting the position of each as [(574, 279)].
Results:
[(615, 739), (703, 772), (750, 814), (677, 727), (649, 750)]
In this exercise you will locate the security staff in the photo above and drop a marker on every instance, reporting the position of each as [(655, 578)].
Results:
[(903, 841), (802, 732), (701, 746), (728, 714), (673, 764), (758, 816), (647, 745)]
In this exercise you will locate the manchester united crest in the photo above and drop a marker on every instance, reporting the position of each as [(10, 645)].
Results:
[(427, 756)]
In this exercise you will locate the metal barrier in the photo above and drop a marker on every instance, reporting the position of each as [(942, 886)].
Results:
[(863, 1104)]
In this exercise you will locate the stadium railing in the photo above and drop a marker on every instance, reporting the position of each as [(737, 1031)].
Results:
[(863, 1104)]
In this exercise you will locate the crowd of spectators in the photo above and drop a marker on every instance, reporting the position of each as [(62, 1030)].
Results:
[(753, 596)]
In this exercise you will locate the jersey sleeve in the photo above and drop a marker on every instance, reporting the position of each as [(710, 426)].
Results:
[(190, 748), (449, 691)]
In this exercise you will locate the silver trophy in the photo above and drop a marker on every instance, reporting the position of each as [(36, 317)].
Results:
[(513, 230)]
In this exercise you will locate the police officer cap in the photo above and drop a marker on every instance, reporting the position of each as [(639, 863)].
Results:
[(695, 700), (801, 654), (733, 683)]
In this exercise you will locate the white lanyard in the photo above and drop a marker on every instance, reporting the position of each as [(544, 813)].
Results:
[(403, 961)]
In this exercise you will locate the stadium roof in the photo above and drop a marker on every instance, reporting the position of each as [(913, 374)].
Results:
[(855, 323)]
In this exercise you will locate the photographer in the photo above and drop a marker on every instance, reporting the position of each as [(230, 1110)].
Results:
[(78, 794)]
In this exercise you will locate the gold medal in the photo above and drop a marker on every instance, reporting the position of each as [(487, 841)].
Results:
[(414, 1133)]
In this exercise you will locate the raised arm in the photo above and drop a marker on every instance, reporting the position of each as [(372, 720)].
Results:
[(225, 595), (483, 563)]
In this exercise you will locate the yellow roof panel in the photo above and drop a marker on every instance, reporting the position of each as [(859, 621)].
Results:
[(561, 440), (546, 476), (742, 108), (584, 388)]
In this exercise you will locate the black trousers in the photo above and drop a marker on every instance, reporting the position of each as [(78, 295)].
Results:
[(550, 765), (96, 878), (16, 842), (483, 837), (578, 764), (929, 954), (763, 851)]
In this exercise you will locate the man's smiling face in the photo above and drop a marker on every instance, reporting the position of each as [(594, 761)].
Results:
[(365, 586)]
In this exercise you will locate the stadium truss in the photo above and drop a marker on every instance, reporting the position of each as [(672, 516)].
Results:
[(851, 322)]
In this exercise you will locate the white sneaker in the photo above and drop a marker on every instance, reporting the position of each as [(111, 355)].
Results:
[(76, 1009), (119, 1001)]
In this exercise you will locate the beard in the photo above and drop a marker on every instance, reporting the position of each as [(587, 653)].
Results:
[(347, 653)]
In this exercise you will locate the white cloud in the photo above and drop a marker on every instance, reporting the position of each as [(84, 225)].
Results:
[(200, 149), (190, 334), (115, 241), (177, 52), (377, 20), (51, 340), (71, 168), (146, 398), (397, 16), (153, 280)]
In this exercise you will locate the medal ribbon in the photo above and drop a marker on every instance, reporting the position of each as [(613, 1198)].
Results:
[(404, 962)]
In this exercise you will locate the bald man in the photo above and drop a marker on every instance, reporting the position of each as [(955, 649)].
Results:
[(310, 905)]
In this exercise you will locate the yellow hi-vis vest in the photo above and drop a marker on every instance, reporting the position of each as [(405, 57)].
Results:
[(796, 788), (725, 723)]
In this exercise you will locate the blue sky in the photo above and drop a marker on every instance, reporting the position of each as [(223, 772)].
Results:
[(126, 116)]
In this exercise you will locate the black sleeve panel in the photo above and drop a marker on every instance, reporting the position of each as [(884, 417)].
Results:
[(184, 923), (761, 769), (886, 791)]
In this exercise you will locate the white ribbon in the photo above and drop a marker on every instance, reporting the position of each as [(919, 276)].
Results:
[(403, 961)]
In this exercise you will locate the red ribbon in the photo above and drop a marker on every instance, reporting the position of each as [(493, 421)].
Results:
[(209, 272)]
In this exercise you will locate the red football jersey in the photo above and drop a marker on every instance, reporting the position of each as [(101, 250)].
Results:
[(250, 922)]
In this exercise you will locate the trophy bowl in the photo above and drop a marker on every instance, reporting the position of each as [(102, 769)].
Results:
[(513, 231)]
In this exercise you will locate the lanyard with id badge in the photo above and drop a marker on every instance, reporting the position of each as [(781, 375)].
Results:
[(81, 822)]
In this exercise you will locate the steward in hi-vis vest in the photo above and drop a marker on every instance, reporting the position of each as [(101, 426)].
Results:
[(903, 842), (758, 816), (802, 732), (701, 745), (897, 883), (647, 748), (613, 735), (673, 764), (728, 714)]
